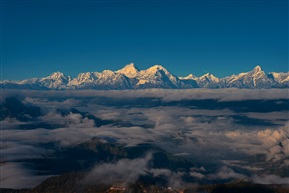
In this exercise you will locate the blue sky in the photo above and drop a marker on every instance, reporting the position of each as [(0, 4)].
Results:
[(221, 37)]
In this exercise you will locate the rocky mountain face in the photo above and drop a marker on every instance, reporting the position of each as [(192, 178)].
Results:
[(70, 182), (253, 79), (130, 77)]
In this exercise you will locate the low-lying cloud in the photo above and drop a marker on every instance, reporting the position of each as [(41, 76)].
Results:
[(277, 142), (270, 179), (226, 173), (14, 175), (230, 94), (124, 170), (203, 135)]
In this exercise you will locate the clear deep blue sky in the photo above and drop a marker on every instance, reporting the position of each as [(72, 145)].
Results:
[(221, 37)]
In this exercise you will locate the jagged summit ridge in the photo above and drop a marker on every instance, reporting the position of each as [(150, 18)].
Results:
[(157, 76), (189, 77), (255, 78), (257, 68), (130, 70)]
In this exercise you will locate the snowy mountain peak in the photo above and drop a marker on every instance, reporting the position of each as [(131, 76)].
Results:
[(130, 65), (130, 70), (87, 76), (257, 73), (189, 77), (156, 68), (56, 75), (279, 77), (108, 72), (129, 77), (257, 69), (208, 75)]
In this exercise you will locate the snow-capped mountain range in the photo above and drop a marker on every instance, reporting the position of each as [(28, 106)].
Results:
[(130, 77)]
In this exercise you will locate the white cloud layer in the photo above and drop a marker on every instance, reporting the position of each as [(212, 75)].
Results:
[(230, 94), (277, 142), (14, 175), (204, 135), (124, 170), (270, 179)]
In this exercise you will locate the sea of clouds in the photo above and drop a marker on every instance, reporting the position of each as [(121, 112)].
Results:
[(222, 139)]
